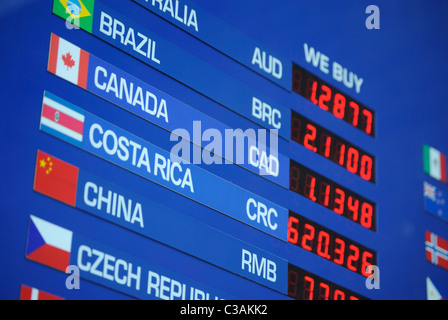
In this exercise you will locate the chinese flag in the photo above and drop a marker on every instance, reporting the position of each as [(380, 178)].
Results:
[(55, 178)]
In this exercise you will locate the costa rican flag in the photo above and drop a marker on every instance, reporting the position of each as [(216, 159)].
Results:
[(436, 250), (30, 293), (62, 119), (48, 243)]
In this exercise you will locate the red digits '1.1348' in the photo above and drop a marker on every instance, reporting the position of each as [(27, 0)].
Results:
[(331, 195)]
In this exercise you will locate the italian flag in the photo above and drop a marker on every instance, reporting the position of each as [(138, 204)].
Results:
[(434, 163)]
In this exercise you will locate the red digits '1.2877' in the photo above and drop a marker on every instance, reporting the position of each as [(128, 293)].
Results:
[(332, 100)]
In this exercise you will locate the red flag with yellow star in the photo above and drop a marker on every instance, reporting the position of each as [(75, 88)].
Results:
[(56, 178)]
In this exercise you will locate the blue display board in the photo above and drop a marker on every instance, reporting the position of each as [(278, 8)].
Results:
[(203, 150)]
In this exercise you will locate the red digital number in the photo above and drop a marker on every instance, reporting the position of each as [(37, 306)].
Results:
[(352, 160), (366, 167), (355, 108), (324, 194), (339, 201), (325, 145), (339, 251), (343, 202), (353, 207), (311, 90), (339, 295), (369, 119), (308, 289), (366, 261), (293, 226), (353, 258), (339, 106), (366, 215), (324, 97), (324, 291), (329, 245), (340, 153), (308, 237), (310, 136), (323, 244), (310, 186), (317, 139)]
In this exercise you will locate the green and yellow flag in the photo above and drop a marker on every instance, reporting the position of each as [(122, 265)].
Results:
[(76, 12)]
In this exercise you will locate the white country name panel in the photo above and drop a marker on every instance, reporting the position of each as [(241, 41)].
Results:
[(205, 26), (167, 57), (140, 276)]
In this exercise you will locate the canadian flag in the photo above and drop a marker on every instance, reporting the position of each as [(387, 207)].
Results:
[(68, 61)]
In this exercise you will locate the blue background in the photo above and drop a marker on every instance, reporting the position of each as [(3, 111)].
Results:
[(404, 68)]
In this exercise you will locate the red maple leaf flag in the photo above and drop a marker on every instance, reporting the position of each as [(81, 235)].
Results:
[(68, 61)]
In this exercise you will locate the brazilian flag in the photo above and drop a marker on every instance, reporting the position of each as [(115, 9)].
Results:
[(77, 12)]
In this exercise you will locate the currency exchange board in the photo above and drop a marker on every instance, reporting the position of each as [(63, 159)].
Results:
[(203, 150)]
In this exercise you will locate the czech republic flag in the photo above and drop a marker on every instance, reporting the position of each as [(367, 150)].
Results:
[(48, 243)]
